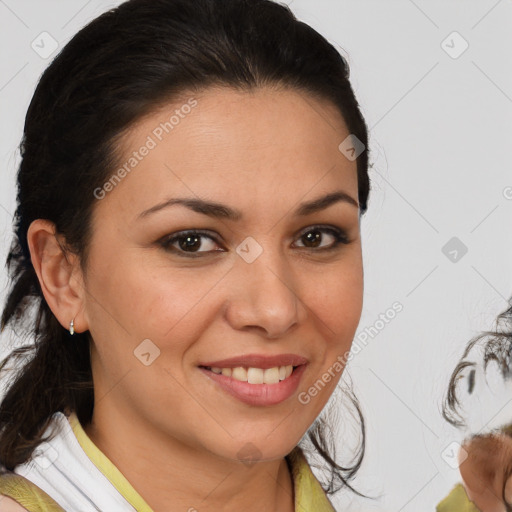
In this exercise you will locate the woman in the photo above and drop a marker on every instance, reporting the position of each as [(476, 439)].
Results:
[(188, 232), (485, 459)]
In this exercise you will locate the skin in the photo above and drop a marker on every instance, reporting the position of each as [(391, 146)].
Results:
[(263, 153), (483, 468), (9, 505)]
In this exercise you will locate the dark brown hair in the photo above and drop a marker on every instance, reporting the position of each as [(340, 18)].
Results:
[(496, 347), (118, 68)]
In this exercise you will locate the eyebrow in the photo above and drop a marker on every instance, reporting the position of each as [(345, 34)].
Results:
[(221, 211)]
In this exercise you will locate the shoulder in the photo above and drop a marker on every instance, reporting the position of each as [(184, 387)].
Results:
[(456, 501), (17, 492), (309, 494), (9, 505)]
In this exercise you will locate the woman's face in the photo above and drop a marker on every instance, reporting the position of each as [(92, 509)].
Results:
[(265, 285)]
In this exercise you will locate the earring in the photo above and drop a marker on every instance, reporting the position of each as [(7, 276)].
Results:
[(72, 327)]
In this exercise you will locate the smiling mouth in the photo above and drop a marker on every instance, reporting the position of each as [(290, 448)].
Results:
[(253, 375)]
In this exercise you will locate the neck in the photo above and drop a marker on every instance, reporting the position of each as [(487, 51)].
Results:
[(168, 473)]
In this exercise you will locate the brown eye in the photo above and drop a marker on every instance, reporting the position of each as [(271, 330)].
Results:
[(192, 242), (189, 242), (314, 237)]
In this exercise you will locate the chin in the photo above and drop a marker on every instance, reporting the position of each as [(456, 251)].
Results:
[(259, 449)]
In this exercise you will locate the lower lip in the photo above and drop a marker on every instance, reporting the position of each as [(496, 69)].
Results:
[(259, 394)]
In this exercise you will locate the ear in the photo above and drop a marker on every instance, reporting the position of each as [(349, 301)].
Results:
[(59, 274)]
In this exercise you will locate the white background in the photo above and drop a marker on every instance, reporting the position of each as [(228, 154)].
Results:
[(440, 139)]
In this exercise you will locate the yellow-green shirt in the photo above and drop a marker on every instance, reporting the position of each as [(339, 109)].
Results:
[(309, 495), (457, 501)]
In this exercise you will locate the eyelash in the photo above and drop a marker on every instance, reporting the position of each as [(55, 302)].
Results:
[(340, 237)]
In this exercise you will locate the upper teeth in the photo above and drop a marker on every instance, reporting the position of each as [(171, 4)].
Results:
[(256, 375)]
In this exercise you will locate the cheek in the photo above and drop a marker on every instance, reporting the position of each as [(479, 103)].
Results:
[(170, 306), (335, 311), (177, 305), (337, 303)]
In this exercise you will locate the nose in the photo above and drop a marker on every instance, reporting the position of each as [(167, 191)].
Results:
[(263, 298)]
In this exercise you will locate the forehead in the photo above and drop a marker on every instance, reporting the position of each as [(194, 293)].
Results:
[(265, 145)]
